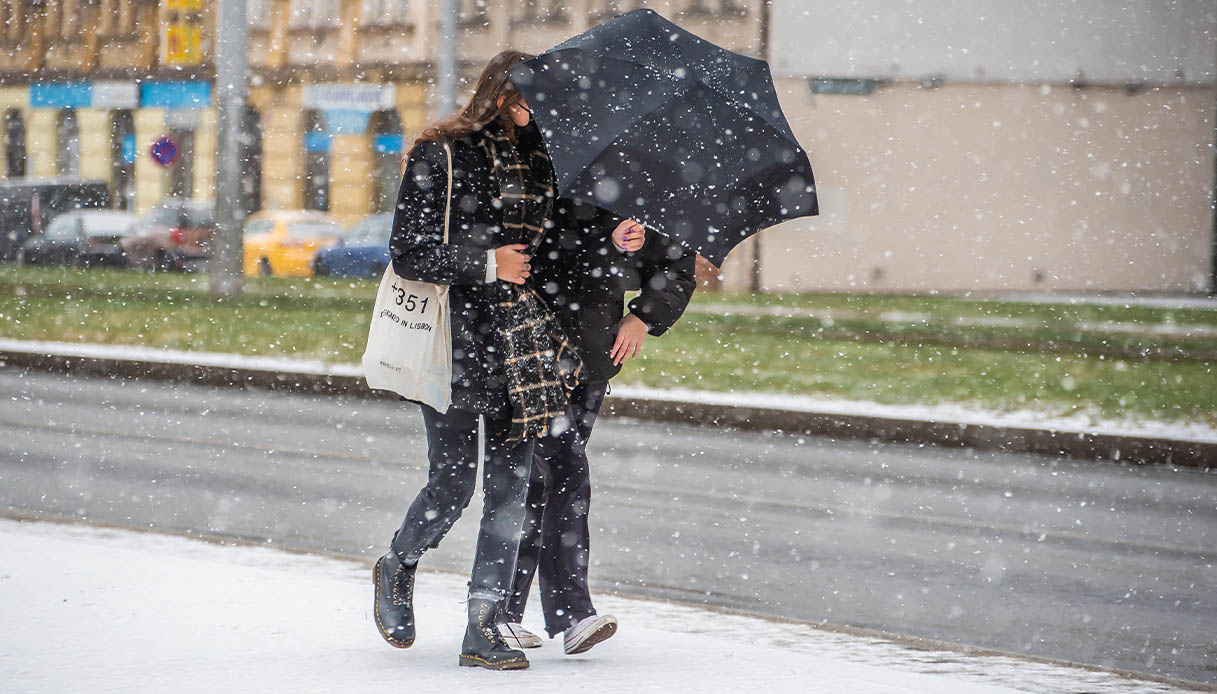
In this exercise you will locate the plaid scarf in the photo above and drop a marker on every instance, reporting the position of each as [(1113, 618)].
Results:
[(541, 364)]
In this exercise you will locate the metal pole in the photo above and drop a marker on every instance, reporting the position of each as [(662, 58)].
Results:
[(232, 42), (445, 79), (766, 8)]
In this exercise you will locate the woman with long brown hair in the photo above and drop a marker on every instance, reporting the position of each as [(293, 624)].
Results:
[(512, 367)]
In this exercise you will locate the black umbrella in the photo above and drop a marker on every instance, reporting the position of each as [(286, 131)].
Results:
[(653, 123)]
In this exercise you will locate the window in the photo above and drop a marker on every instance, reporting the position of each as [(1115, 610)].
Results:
[(122, 158), (384, 12), (603, 9), (14, 143), (67, 154), (71, 16), (117, 17), (312, 230), (474, 13), (541, 12), (259, 226), (316, 161), (258, 12), (63, 228), (719, 8), (13, 20), (315, 14), (387, 144)]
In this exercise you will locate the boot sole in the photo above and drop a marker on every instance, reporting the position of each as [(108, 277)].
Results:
[(376, 611), (604, 633), (474, 661)]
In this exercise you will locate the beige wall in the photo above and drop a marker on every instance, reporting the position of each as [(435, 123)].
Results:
[(992, 187)]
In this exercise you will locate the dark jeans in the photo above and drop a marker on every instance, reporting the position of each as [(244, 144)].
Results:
[(452, 450), (556, 541)]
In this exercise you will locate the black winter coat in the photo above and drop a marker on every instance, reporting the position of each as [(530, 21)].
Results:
[(419, 253), (584, 279)]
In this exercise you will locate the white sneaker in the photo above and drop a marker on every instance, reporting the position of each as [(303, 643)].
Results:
[(517, 636), (587, 632)]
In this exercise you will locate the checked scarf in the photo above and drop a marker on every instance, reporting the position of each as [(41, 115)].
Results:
[(541, 365)]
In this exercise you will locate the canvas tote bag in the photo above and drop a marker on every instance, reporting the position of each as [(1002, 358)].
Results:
[(410, 341)]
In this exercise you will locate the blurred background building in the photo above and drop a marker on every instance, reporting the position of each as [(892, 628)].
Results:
[(958, 144)]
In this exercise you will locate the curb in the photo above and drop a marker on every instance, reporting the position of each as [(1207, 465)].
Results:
[(1074, 444)]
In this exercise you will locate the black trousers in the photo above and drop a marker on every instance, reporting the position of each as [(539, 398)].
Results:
[(556, 538), (452, 452)]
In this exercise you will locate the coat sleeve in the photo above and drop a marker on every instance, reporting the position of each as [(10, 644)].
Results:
[(417, 245), (667, 271)]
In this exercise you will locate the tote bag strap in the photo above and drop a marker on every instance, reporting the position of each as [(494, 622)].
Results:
[(448, 198)]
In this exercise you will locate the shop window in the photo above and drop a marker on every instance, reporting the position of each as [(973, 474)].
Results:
[(316, 161), (315, 14), (384, 12), (14, 143), (533, 12), (387, 143), (122, 159), (67, 151), (251, 161)]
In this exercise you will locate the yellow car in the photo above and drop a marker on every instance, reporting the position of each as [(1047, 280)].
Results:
[(283, 243)]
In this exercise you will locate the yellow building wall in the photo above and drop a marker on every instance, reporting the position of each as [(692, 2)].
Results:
[(40, 142), (282, 148), (94, 143), (412, 106), (150, 179), (350, 177), (205, 156)]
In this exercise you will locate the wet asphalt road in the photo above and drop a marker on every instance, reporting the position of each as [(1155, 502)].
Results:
[(1092, 562)]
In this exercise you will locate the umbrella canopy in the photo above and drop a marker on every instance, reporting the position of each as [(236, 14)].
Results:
[(656, 124)]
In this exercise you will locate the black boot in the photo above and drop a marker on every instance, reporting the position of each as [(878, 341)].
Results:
[(394, 604), (484, 646)]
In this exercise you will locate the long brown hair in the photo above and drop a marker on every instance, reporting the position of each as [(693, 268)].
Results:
[(483, 107)]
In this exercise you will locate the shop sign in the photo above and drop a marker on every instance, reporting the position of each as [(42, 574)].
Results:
[(115, 95), (387, 144), (355, 97), (175, 94), (61, 95), (183, 37), (317, 142)]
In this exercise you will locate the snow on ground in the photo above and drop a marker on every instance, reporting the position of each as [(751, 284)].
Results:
[(89, 609), (960, 413)]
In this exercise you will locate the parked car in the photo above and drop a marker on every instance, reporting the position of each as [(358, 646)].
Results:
[(85, 238), (27, 206), (174, 235), (283, 243), (363, 252)]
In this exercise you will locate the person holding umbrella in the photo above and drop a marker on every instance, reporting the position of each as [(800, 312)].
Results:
[(649, 122), (585, 270)]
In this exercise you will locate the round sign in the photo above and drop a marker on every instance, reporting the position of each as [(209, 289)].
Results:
[(164, 151)]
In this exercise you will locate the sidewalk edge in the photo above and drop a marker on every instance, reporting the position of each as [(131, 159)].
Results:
[(1075, 444)]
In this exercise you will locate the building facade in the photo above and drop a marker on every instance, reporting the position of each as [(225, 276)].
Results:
[(1062, 163)]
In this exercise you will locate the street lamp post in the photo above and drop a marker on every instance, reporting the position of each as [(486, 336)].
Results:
[(445, 82), (232, 42)]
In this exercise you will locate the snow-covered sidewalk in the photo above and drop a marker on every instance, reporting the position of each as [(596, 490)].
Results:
[(86, 609)]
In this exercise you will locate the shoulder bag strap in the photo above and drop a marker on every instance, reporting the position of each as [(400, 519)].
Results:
[(448, 197)]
